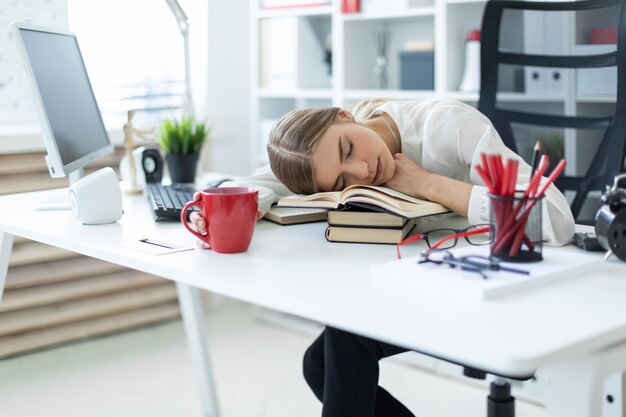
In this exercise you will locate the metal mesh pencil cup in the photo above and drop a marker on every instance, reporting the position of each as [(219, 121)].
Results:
[(516, 228)]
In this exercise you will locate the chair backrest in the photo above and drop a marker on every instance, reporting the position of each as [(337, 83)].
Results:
[(555, 72)]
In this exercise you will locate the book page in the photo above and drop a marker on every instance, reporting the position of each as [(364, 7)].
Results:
[(385, 198), (329, 199), (373, 190)]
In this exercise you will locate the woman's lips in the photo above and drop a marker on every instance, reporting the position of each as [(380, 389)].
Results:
[(379, 170)]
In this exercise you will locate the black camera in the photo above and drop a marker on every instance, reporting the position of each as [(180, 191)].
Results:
[(611, 218)]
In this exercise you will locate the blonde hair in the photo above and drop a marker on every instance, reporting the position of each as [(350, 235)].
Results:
[(291, 144), (293, 139), (365, 109)]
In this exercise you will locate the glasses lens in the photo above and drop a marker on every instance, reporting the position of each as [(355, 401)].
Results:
[(481, 238), (435, 236)]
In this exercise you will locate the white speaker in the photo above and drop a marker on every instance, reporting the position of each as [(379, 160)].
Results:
[(97, 198)]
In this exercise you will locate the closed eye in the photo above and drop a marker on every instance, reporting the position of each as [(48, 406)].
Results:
[(349, 149)]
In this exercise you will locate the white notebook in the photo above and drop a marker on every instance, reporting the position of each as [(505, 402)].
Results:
[(557, 265)]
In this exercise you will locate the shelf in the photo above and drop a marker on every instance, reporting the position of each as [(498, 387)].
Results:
[(353, 94), (465, 1), (295, 11), (353, 38), (599, 98), (298, 93), (393, 15)]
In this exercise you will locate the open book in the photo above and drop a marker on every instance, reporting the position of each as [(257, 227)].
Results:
[(372, 197)]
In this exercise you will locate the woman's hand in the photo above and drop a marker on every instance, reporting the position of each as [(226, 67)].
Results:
[(198, 223), (411, 179)]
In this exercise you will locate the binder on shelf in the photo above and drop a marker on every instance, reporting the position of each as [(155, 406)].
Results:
[(291, 54), (540, 37), (596, 81)]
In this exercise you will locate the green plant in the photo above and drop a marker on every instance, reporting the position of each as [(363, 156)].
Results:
[(553, 145), (183, 137)]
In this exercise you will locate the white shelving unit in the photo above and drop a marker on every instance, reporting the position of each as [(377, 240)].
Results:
[(445, 23)]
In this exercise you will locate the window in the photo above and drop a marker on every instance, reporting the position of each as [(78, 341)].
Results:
[(133, 51), (134, 55)]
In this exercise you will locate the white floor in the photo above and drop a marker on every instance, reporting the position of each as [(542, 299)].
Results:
[(257, 365)]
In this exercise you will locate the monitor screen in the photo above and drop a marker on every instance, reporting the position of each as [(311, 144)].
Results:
[(72, 127)]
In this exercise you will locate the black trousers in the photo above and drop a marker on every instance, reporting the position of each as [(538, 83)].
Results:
[(342, 370)]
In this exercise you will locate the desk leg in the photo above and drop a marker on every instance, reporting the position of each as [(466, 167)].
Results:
[(6, 244), (195, 329), (575, 386)]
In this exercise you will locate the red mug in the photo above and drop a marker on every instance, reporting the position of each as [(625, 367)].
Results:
[(230, 216)]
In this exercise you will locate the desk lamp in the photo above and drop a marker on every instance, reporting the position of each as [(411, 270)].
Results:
[(183, 24)]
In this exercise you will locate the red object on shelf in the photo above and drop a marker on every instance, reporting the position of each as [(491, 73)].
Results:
[(604, 35), (473, 35), (350, 6)]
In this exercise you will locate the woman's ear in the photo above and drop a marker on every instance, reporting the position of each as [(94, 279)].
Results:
[(345, 116)]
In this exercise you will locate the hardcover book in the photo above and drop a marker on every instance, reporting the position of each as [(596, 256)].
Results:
[(369, 234), (377, 198), (359, 216), (288, 215)]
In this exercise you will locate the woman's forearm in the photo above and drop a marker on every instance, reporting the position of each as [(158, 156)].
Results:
[(451, 193)]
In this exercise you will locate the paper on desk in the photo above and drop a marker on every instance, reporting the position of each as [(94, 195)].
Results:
[(406, 274), (153, 246)]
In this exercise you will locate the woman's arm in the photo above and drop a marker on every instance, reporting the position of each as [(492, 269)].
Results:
[(455, 135), (270, 189), (411, 179)]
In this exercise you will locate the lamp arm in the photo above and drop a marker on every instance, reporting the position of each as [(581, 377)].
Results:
[(183, 24), (180, 16)]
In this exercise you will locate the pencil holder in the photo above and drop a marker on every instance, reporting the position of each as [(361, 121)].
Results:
[(516, 228)]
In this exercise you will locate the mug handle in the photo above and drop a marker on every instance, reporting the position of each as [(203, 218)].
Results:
[(183, 219)]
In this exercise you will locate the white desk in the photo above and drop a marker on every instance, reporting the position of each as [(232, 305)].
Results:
[(575, 331)]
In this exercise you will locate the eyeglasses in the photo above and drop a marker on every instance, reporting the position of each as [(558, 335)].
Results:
[(472, 263), (447, 238)]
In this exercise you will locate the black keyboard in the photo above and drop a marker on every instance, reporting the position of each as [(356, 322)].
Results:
[(167, 201)]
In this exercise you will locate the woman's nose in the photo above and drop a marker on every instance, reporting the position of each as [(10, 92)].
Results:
[(358, 170)]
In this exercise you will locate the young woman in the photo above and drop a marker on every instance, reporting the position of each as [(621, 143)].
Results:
[(423, 148)]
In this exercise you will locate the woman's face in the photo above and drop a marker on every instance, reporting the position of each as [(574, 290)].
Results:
[(349, 153)]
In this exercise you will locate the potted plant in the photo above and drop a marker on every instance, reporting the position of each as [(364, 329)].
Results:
[(182, 141)]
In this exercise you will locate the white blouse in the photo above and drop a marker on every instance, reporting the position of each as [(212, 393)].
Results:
[(446, 137)]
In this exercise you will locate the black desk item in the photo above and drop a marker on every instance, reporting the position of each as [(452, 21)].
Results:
[(611, 218), (167, 201)]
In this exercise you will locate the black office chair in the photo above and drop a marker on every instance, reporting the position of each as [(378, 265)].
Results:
[(541, 79), (537, 84)]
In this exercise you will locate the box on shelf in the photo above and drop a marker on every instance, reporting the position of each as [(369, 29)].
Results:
[(417, 70), (350, 6), (596, 81)]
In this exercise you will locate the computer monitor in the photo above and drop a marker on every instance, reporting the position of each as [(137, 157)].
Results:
[(71, 124)]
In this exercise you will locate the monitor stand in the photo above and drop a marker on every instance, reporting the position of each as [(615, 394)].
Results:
[(60, 199)]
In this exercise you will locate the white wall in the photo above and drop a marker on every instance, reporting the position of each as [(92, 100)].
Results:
[(228, 89)]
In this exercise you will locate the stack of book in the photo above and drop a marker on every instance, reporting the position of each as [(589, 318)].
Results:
[(360, 225), (367, 214)]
